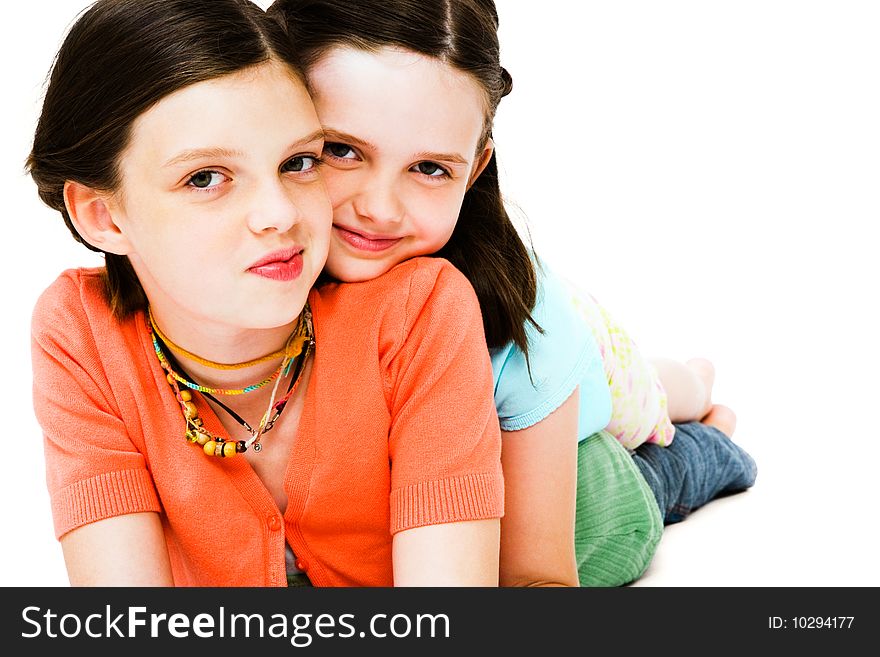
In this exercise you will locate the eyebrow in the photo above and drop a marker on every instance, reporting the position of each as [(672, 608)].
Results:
[(452, 158), (201, 153), (331, 135), (217, 153)]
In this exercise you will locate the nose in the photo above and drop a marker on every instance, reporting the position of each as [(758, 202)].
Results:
[(379, 202), (272, 207)]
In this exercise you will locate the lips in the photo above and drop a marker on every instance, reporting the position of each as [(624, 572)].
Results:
[(365, 241), (281, 265)]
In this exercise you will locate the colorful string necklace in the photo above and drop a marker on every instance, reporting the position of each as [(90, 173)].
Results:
[(295, 354), (286, 350)]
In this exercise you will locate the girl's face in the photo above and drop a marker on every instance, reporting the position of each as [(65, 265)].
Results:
[(226, 218), (402, 132)]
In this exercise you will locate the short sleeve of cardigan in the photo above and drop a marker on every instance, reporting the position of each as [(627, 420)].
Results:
[(444, 442), (563, 357), (93, 470)]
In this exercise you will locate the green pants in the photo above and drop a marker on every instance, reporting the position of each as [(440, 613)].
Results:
[(617, 522)]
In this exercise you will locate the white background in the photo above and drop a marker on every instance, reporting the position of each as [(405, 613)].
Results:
[(708, 170)]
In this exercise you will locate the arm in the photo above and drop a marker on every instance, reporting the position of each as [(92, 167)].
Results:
[(104, 503), (545, 404), (452, 554), (127, 550), (540, 474), (444, 442)]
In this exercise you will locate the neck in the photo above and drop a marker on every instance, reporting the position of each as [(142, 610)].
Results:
[(223, 358), (231, 379)]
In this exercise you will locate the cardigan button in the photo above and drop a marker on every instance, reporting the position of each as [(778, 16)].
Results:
[(302, 565), (274, 523)]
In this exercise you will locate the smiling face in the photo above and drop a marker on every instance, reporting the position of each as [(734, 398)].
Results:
[(226, 219), (402, 136)]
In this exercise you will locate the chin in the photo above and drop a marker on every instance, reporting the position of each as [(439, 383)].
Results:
[(283, 308), (278, 319)]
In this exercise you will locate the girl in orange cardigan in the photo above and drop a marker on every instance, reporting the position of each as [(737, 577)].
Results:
[(210, 417), (406, 91)]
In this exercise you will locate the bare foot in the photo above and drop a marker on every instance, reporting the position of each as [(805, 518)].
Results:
[(722, 418), (705, 372)]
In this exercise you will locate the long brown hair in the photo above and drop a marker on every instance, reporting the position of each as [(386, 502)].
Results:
[(485, 244), (119, 59)]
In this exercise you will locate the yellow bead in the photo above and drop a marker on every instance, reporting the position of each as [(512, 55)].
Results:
[(228, 449), (185, 395), (170, 379), (190, 409), (202, 437), (209, 447)]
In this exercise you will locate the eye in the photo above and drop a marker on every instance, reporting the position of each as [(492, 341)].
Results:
[(342, 151), (300, 164), (205, 179), (430, 169)]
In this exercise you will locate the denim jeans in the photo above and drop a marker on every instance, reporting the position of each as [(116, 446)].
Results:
[(700, 464)]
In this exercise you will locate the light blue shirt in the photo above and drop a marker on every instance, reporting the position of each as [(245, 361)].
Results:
[(561, 359)]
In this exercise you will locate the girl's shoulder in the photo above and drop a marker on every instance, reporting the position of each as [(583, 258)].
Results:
[(552, 292), (419, 271), (422, 299), (404, 289), (560, 334), (73, 311), (563, 355), (74, 292)]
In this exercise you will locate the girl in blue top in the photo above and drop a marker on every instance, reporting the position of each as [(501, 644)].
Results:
[(406, 92)]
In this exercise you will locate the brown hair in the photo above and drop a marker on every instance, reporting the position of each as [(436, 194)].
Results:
[(485, 245), (119, 59)]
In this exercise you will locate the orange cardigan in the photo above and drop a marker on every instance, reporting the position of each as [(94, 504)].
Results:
[(398, 430)]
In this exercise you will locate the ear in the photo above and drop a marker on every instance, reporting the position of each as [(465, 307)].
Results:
[(481, 161), (90, 214)]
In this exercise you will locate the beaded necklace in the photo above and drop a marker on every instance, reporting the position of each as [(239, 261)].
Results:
[(296, 352)]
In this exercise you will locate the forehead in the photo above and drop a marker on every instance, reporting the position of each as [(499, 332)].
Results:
[(393, 91), (264, 102)]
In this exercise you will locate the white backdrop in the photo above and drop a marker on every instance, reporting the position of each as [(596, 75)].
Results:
[(708, 170)]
